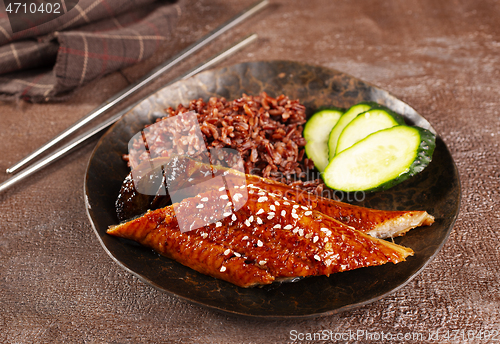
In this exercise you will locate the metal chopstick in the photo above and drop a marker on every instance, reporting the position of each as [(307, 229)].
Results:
[(90, 133), (141, 83)]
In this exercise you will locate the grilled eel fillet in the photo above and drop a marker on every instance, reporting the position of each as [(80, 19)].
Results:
[(380, 224), (269, 238), (377, 223)]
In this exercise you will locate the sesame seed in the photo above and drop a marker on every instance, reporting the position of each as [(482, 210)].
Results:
[(242, 186), (250, 185), (250, 192), (226, 252), (295, 231), (283, 213), (190, 179), (237, 196), (315, 239), (260, 211), (224, 197), (204, 235), (278, 226), (236, 186), (262, 262), (317, 257), (270, 217), (323, 229), (305, 208), (222, 269), (294, 210), (295, 206), (325, 239), (272, 207), (244, 238), (260, 243), (288, 227), (250, 218), (234, 218), (301, 232), (247, 223), (277, 203), (286, 199), (204, 199), (309, 235), (272, 213), (262, 199), (226, 214), (237, 254), (259, 221), (218, 224), (229, 204), (307, 213), (295, 216), (199, 206), (222, 188), (261, 193), (286, 203)]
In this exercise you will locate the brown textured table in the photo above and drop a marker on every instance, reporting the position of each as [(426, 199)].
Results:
[(442, 57)]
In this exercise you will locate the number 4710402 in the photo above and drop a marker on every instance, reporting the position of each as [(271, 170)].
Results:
[(44, 7)]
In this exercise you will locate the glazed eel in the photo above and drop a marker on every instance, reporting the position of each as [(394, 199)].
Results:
[(183, 175), (248, 235)]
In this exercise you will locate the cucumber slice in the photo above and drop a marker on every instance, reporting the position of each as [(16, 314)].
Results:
[(344, 120), (381, 160), (365, 124), (316, 132)]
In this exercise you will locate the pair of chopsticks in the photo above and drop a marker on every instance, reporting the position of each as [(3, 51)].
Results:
[(108, 104)]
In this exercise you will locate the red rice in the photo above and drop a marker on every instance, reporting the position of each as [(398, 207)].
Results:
[(266, 131)]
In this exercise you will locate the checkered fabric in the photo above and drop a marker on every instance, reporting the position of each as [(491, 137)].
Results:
[(94, 38)]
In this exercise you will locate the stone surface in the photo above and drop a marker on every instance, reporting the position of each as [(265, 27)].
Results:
[(58, 284)]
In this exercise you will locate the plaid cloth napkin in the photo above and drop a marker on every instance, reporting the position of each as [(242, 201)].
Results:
[(92, 39)]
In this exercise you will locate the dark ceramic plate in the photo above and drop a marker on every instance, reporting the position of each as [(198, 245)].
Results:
[(436, 189)]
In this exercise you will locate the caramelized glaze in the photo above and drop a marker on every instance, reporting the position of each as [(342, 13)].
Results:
[(269, 237), (187, 173)]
